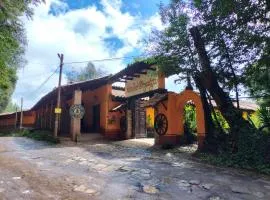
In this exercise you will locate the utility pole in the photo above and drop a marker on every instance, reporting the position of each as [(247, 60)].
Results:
[(21, 118), (58, 109), (16, 117)]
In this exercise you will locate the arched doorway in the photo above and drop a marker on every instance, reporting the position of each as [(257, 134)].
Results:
[(190, 96), (173, 109), (190, 123)]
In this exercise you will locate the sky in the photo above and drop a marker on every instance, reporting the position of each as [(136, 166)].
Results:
[(83, 30)]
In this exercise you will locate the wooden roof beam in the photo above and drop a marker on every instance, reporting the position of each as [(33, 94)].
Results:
[(142, 72), (152, 69)]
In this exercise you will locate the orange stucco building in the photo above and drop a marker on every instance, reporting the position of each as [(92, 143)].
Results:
[(117, 112)]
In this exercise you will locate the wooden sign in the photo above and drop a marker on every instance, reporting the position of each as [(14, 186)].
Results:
[(145, 83), (77, 111)]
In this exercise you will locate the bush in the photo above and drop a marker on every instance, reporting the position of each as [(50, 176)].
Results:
[(41, 136)]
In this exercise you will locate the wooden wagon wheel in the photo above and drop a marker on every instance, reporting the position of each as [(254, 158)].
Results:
[(161, 124), (123, 124)]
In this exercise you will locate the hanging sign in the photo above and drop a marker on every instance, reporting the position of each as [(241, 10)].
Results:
[(77, 111), (145, 83)]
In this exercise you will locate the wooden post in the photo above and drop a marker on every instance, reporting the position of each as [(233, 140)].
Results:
[(21, 120), (75, 126), (51, 115), (57, 115), (16, 118)]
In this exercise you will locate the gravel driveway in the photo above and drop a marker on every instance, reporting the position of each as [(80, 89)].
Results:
[(106, 170)]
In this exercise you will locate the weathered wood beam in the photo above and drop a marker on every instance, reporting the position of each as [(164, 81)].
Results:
[(141, 72), (152, 69)]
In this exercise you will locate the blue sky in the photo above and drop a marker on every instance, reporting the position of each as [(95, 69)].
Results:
[(143, 8), (83, 30)]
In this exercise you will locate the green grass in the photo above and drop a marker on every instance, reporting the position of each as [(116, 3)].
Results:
[(224, 160), (39, 135)]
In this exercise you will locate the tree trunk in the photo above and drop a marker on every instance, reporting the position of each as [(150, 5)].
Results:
[(209, 82), (207, 111)]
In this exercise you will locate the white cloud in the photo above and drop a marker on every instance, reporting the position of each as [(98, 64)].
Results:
[(78, 34)]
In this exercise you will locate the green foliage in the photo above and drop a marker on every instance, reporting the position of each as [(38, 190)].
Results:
[(190, 117), (219, 120), (228, 160), (149, 121), (12, 43), (11, 107), (39, 135), (87, 73), (235, 33), (257, 79), (190, 124), (254, 117), (7, 84)]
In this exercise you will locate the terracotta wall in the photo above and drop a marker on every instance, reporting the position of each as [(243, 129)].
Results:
[(173, 108), (109, 122), (8, 121)]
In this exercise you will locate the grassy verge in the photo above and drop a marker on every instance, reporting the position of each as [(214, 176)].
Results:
[(230, 161), (39, 135)]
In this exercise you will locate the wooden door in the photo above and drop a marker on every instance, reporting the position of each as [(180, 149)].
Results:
[(140, 120)]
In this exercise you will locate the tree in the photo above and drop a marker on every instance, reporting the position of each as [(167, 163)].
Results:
[(209, 41), (87, 73), (12, 44), (11, 107)]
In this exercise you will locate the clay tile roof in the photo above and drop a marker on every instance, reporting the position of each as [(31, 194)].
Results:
[(244, 105), (69, 88)]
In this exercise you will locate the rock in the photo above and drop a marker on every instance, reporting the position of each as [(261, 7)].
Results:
[(26, 192), (267, 187), (90, 191), (215, 198), (183, 184), (207, 186), (83, 163), (2, 190), (258, 194), (80, 188), (125, 169), (145, 171), (149, 189), (194, 182), (240, 189), (99, 167), (16, 178)]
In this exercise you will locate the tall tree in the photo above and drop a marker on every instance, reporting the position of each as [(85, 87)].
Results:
[(87, 73), (12, 43), (214, 41)]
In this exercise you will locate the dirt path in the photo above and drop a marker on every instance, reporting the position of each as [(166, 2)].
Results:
[(114, 170)]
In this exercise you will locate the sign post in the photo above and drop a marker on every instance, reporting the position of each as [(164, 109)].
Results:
[(76, 112)]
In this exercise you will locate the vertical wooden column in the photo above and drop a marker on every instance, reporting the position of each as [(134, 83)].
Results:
[(129, 124), (51, 115), (41, 117), (75, 126)]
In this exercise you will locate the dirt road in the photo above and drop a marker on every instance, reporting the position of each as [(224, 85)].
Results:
[(115, 170)]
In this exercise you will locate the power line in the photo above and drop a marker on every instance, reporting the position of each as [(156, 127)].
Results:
[(46, 80), (101, 60)]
